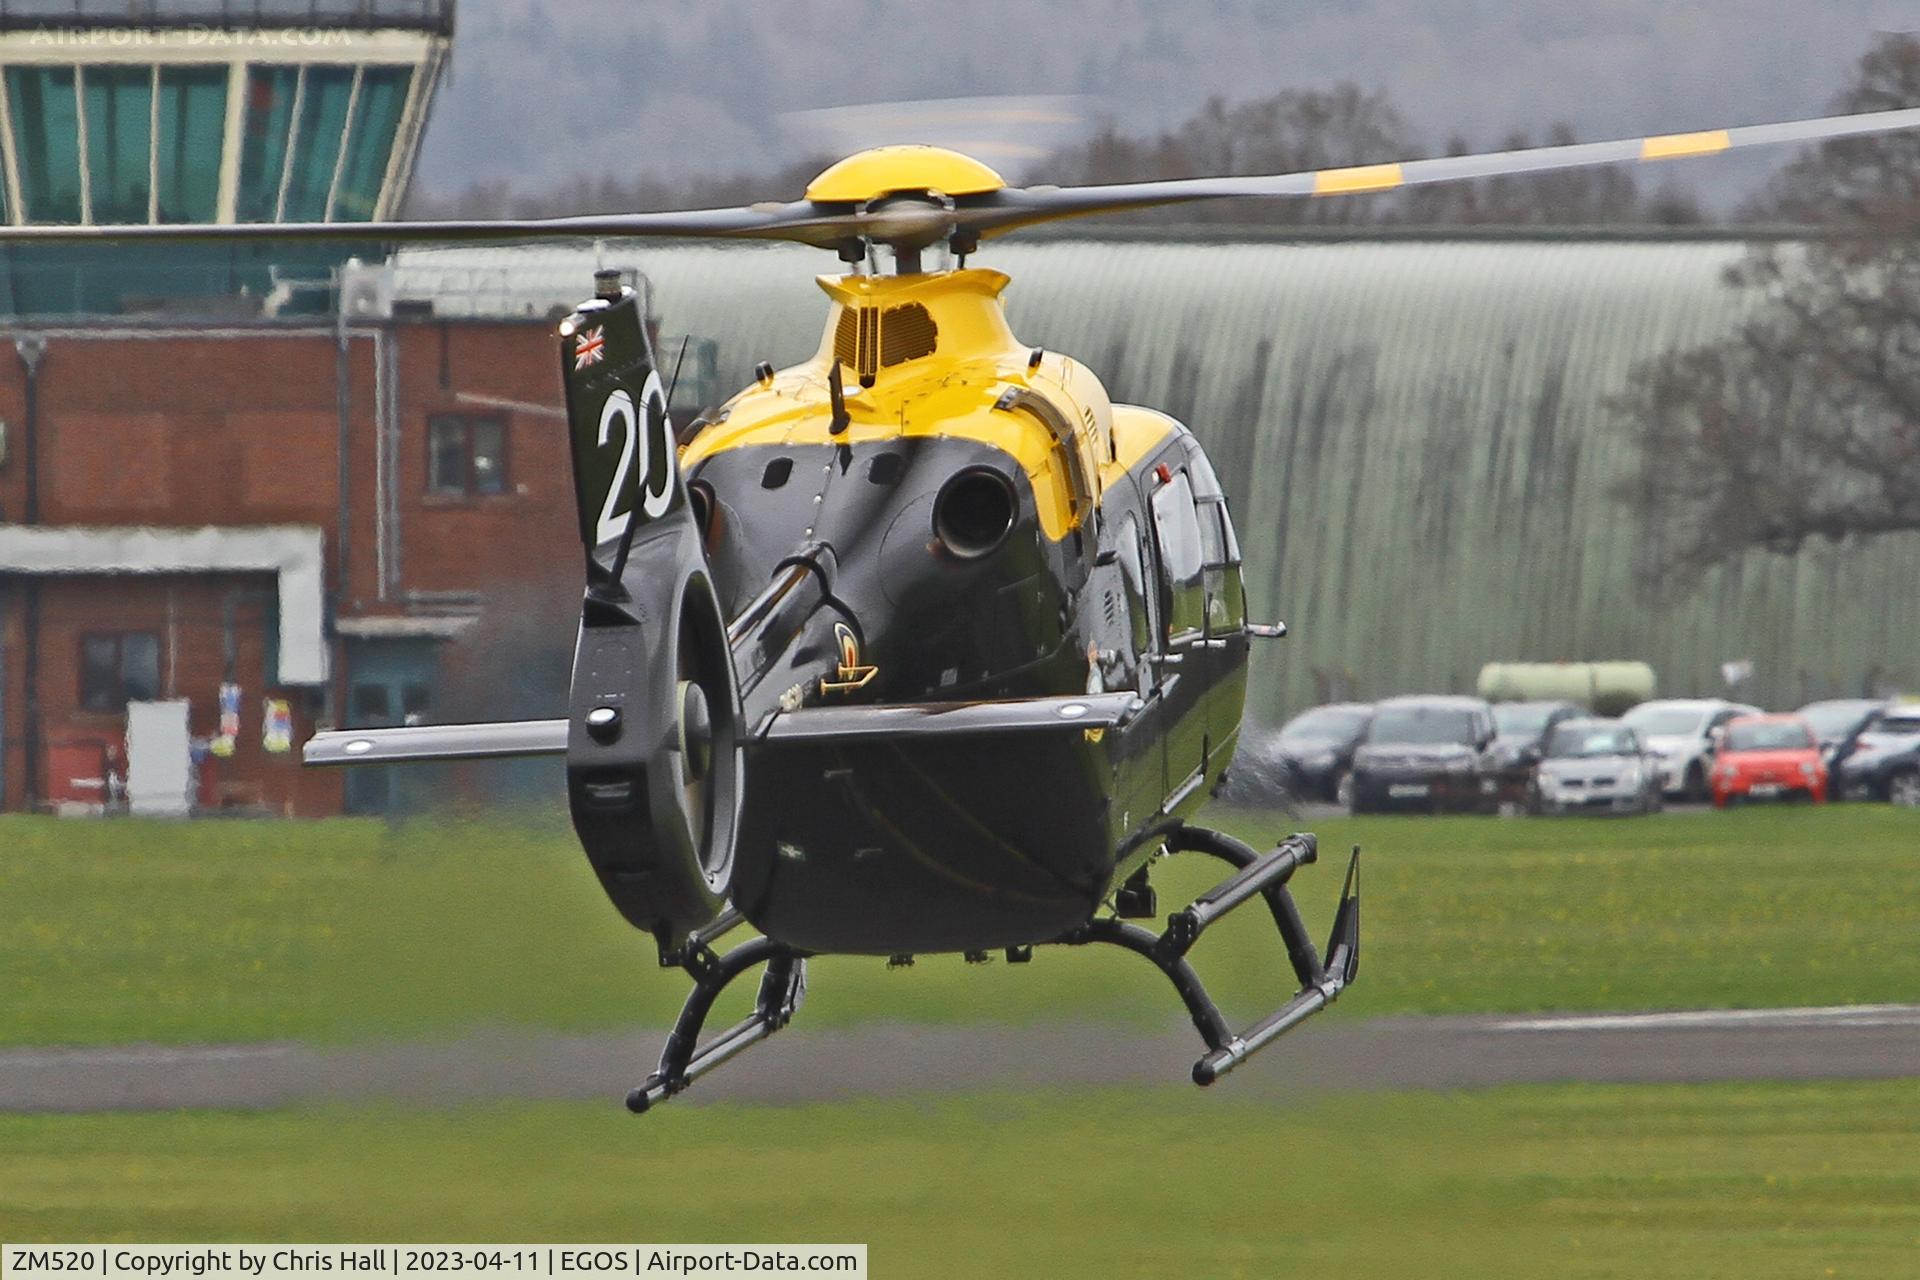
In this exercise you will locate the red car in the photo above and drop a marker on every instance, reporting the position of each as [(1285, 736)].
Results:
[(1766, 758)]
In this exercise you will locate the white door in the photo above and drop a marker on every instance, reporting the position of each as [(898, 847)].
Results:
[(159, 759)]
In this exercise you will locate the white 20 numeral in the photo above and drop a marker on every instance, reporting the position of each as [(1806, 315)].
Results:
[(655, 441)]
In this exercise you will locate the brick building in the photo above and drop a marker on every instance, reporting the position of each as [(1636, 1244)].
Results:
[(305, 513), (221, 502)]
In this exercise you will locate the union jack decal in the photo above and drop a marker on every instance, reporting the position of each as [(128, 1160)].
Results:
[(589, 348)]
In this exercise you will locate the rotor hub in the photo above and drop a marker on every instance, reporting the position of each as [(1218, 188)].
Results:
[(696, 731)]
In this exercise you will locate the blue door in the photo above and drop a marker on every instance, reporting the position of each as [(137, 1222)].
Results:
[(390, 682)]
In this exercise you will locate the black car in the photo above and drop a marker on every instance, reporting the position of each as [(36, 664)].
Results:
[(1429, 754), (1308, 758), (1520, 732), (1838, 723), (1317, 748), (1883, 761)]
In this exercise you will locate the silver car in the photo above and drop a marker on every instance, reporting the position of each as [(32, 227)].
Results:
[(1684, 733), (1595, 766)]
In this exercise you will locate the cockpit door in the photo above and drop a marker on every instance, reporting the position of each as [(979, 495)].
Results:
[(1176, 526)]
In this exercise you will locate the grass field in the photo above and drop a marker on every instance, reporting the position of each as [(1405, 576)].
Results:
[(1686, 1181), (127, 931)]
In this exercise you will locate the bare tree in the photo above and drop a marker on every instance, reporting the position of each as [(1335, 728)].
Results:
[(1298, 130), (1292, 130), (1805, 422), (606, 194), (1571, 197)]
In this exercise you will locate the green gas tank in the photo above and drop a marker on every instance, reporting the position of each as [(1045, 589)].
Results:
[(1605, 688)]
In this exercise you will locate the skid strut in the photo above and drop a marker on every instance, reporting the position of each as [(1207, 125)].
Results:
[(1264, 875), (782, 989)]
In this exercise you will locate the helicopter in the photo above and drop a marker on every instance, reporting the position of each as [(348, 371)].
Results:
[(923, 645)]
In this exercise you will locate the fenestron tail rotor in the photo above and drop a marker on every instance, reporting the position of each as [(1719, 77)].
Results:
[(654, 769), (912, 197)]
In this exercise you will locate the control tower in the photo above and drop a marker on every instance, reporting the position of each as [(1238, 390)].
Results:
[(169, 111)]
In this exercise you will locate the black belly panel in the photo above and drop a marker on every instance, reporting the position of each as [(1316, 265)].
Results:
[(880, 849)]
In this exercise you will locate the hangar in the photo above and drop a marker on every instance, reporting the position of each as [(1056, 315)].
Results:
[(1416, 429)]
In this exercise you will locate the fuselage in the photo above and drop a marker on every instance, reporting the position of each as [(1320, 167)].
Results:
[(999, 529)]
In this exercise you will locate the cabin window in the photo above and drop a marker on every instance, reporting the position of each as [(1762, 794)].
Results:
[(117, 668), (1206, 485), (1140, 599), (1213, 546), (1177, 522)]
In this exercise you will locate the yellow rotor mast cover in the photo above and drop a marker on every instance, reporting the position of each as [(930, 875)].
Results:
[(883, 171)]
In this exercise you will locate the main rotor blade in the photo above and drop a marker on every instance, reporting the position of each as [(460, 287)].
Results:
[(800, 220), (1005, 210)]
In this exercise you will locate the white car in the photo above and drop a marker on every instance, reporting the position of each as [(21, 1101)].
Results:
[(1683, 733)]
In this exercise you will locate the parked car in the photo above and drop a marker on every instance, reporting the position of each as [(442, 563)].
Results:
[(1317, 747), (1595, 766), (1520, 732), (1838, 721), (1308, 758), (1769, 758), (1884, 762), (1681, 731), (1427, 753)]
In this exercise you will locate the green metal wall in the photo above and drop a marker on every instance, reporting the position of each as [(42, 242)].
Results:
[(1416, 437)]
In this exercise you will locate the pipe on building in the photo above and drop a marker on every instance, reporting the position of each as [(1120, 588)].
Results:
[(343, 400), (31, 349)]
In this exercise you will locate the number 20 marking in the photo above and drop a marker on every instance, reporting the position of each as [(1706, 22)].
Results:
[(656, 441)]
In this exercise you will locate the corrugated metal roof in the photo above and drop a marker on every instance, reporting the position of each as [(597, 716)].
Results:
[(1416, 434)]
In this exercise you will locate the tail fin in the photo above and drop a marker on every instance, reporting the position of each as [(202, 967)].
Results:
[(625, 471)]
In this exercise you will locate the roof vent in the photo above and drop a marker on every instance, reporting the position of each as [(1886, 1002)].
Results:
[(868, 339)]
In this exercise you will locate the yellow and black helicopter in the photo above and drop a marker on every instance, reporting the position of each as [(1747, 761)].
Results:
[(922, 645)]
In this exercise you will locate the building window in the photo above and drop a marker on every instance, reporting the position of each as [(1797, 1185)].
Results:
[(377, 109), (466, 456), (326, 95), (119, 103), (193, 122), (263, 143), (117, 668), (45, 104)]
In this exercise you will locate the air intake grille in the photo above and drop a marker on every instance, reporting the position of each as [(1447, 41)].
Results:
[(867, 339), (907, 334)]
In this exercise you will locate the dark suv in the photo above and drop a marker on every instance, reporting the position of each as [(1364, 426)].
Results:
[(1521, 730), (1429, 754), (1883, 761)]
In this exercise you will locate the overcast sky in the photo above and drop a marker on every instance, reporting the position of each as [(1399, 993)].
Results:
[(540, 92)]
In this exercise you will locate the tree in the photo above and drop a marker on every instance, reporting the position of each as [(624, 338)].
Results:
[(604, 194), (1292, 130), (1306, 129), (1804, 422), (1571, 197)]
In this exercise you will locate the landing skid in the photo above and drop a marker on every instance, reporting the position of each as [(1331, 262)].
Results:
[(783, 987), (1264, 875), (783, 983)]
